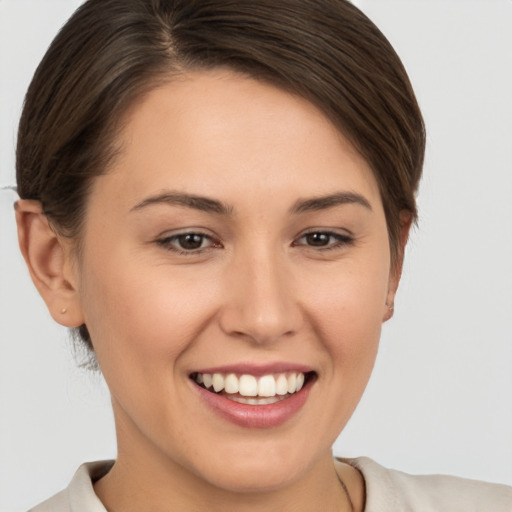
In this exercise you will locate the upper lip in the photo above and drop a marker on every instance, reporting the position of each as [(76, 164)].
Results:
[(257, 370)]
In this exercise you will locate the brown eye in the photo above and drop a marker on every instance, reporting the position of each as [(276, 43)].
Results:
[(324, 240), (190, 241), (318, 239)]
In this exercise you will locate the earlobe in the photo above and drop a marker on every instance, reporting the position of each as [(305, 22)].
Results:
[(390, 309), (48, 261), (396, 270)]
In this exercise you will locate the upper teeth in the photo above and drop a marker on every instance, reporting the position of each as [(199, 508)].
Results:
[(249, 385)]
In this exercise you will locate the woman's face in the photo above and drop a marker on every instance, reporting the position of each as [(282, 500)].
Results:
[(237, 234)]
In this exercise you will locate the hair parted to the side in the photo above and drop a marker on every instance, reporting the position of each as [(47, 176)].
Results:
[(112, 52)]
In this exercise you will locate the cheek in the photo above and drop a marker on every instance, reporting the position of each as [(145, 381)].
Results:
[(346, 314), (146, 315), (350, 301), (350, 331)]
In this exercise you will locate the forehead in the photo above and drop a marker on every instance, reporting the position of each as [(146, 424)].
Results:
[(224, 133)]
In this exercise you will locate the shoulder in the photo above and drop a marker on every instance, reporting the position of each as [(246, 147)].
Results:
[(57, 503), (79, 496), (388, 490)]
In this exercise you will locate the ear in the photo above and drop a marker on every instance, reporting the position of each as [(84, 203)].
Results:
[(49, 261), (396, 270)]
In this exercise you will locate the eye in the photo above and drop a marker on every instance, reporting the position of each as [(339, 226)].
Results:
[(324, 240), (187, 243), (190, 241)]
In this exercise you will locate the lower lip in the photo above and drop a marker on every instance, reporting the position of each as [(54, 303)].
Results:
[(256, 416)]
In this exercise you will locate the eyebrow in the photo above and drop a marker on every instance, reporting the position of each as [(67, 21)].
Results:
[(196, 202), (209, 205), (329, 201)]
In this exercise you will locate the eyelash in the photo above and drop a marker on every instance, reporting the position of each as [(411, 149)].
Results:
[(341, 240), (169, 241)]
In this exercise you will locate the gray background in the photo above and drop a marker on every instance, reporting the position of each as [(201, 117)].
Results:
[(440, 399)]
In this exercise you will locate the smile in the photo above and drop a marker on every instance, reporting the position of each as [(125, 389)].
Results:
[(252, 390), (254, 396)]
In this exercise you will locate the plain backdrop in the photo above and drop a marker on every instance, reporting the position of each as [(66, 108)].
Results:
[(440, 399)]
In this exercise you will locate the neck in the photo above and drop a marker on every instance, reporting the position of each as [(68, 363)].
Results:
[(127, 487), (132, 479), (143, 469)]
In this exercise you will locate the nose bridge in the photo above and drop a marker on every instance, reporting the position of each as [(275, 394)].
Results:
[(262, 303)]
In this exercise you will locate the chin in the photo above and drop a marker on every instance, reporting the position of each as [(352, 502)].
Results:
[(260, 466), (254, 476)]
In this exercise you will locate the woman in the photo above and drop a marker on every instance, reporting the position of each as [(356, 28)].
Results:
[(217, 196)]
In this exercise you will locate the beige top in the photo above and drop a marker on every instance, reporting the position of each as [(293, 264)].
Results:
[(387, 490)]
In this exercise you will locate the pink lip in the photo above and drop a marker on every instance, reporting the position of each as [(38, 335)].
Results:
[(255, 369), (255, 416)]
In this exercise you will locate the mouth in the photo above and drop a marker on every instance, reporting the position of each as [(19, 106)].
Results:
[(253, 390)]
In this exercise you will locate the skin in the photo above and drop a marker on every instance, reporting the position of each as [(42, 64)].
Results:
[(257, 291)]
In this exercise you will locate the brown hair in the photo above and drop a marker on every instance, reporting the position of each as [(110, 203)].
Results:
[(111, 52)]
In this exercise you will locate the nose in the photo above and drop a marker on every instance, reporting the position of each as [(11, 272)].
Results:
[(261, 303)]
